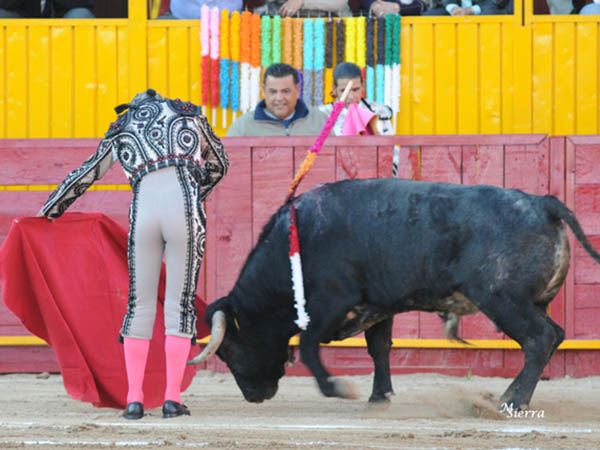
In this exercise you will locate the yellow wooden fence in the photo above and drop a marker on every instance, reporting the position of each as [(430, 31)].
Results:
[(488, 74)]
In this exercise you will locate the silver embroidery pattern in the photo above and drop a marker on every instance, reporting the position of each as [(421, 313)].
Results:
[(153, 134)]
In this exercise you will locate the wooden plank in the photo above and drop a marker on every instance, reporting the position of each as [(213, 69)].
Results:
[(557, 167), (526, 168), (587, 73), (430, 326), (178, 63), (61, 74), (445, 78), (587, 205), (522, 66), (230, 211), (587, 162), (509, 73), (229, 224), (323, 170), (587, 271), (490, 69), (49, 166), (39, 82), (406, 325), (582, 363), (586, 323), (422, 74), (405, 122), (587, 295), (158, 57), (15, 82), (468, 81), (542, 77), (107, 98), (439, 163), (85, 81), (570, 165), (28, 360), (355, 163), (272, 171), (123, 62), (483, 164), (408, 140), (195, 94), (564, 81)]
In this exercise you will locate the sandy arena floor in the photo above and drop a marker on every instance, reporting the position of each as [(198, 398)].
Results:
[(429, 411)]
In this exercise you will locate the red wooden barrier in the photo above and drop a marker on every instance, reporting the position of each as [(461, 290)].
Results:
[(256, 185)]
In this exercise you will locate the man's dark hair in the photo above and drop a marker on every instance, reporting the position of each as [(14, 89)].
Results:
[(281, 70), (346, 71)]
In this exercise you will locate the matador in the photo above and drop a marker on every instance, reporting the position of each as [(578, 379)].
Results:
[(172, 159)]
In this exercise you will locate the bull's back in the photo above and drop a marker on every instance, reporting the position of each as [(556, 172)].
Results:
[(402, 237)]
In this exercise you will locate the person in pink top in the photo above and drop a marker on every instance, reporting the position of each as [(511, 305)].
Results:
[(360, 116)]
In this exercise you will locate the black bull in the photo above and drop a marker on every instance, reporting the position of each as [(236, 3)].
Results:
[(374, 248)]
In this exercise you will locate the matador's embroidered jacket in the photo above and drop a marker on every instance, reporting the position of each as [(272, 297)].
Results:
[(153, 133), (156, 133)]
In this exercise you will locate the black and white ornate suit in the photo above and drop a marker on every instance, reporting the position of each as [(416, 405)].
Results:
[(172, 159)]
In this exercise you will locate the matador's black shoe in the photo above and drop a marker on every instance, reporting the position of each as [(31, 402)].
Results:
[(174, 409), (134, 410)]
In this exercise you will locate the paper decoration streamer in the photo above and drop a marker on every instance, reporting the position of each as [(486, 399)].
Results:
[(276, 40)]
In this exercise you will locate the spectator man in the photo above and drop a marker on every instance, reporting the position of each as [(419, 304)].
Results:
[(376, 117), (282, 112)]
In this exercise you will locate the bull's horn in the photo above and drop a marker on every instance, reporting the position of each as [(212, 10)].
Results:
[(217, 333)]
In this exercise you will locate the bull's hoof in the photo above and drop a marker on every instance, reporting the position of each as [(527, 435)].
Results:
[(344, 388), (381, 398), (510, 407)]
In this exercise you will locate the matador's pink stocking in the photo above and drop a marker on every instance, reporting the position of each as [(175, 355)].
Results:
[(136, 353), (177, 350)]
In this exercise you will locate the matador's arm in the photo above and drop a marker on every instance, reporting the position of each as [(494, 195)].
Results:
[(79, 180), (215, 158)]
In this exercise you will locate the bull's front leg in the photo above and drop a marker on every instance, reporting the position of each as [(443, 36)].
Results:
[(330, 386), (379, 344)]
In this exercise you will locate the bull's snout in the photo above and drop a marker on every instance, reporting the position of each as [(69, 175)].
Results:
[(259, 396)]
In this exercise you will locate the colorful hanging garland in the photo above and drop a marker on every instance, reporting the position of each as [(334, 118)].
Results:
[(389, 28), (236, 48), (234, 40), (380, 67), (245, 50), (350, 50), (298, 28), (340, 44), (361, 42), (215, 27), (205, 53), (308, 67), (255, 57), (288, 32), (328, 77), (266, 34), (370, 72), (276, 40), (224, 65), (319, 51), (396, 68)]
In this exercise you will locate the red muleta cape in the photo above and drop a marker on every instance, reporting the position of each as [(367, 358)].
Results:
[(68, 282)]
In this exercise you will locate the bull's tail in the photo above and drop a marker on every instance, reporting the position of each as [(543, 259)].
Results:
[(558, 209)]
